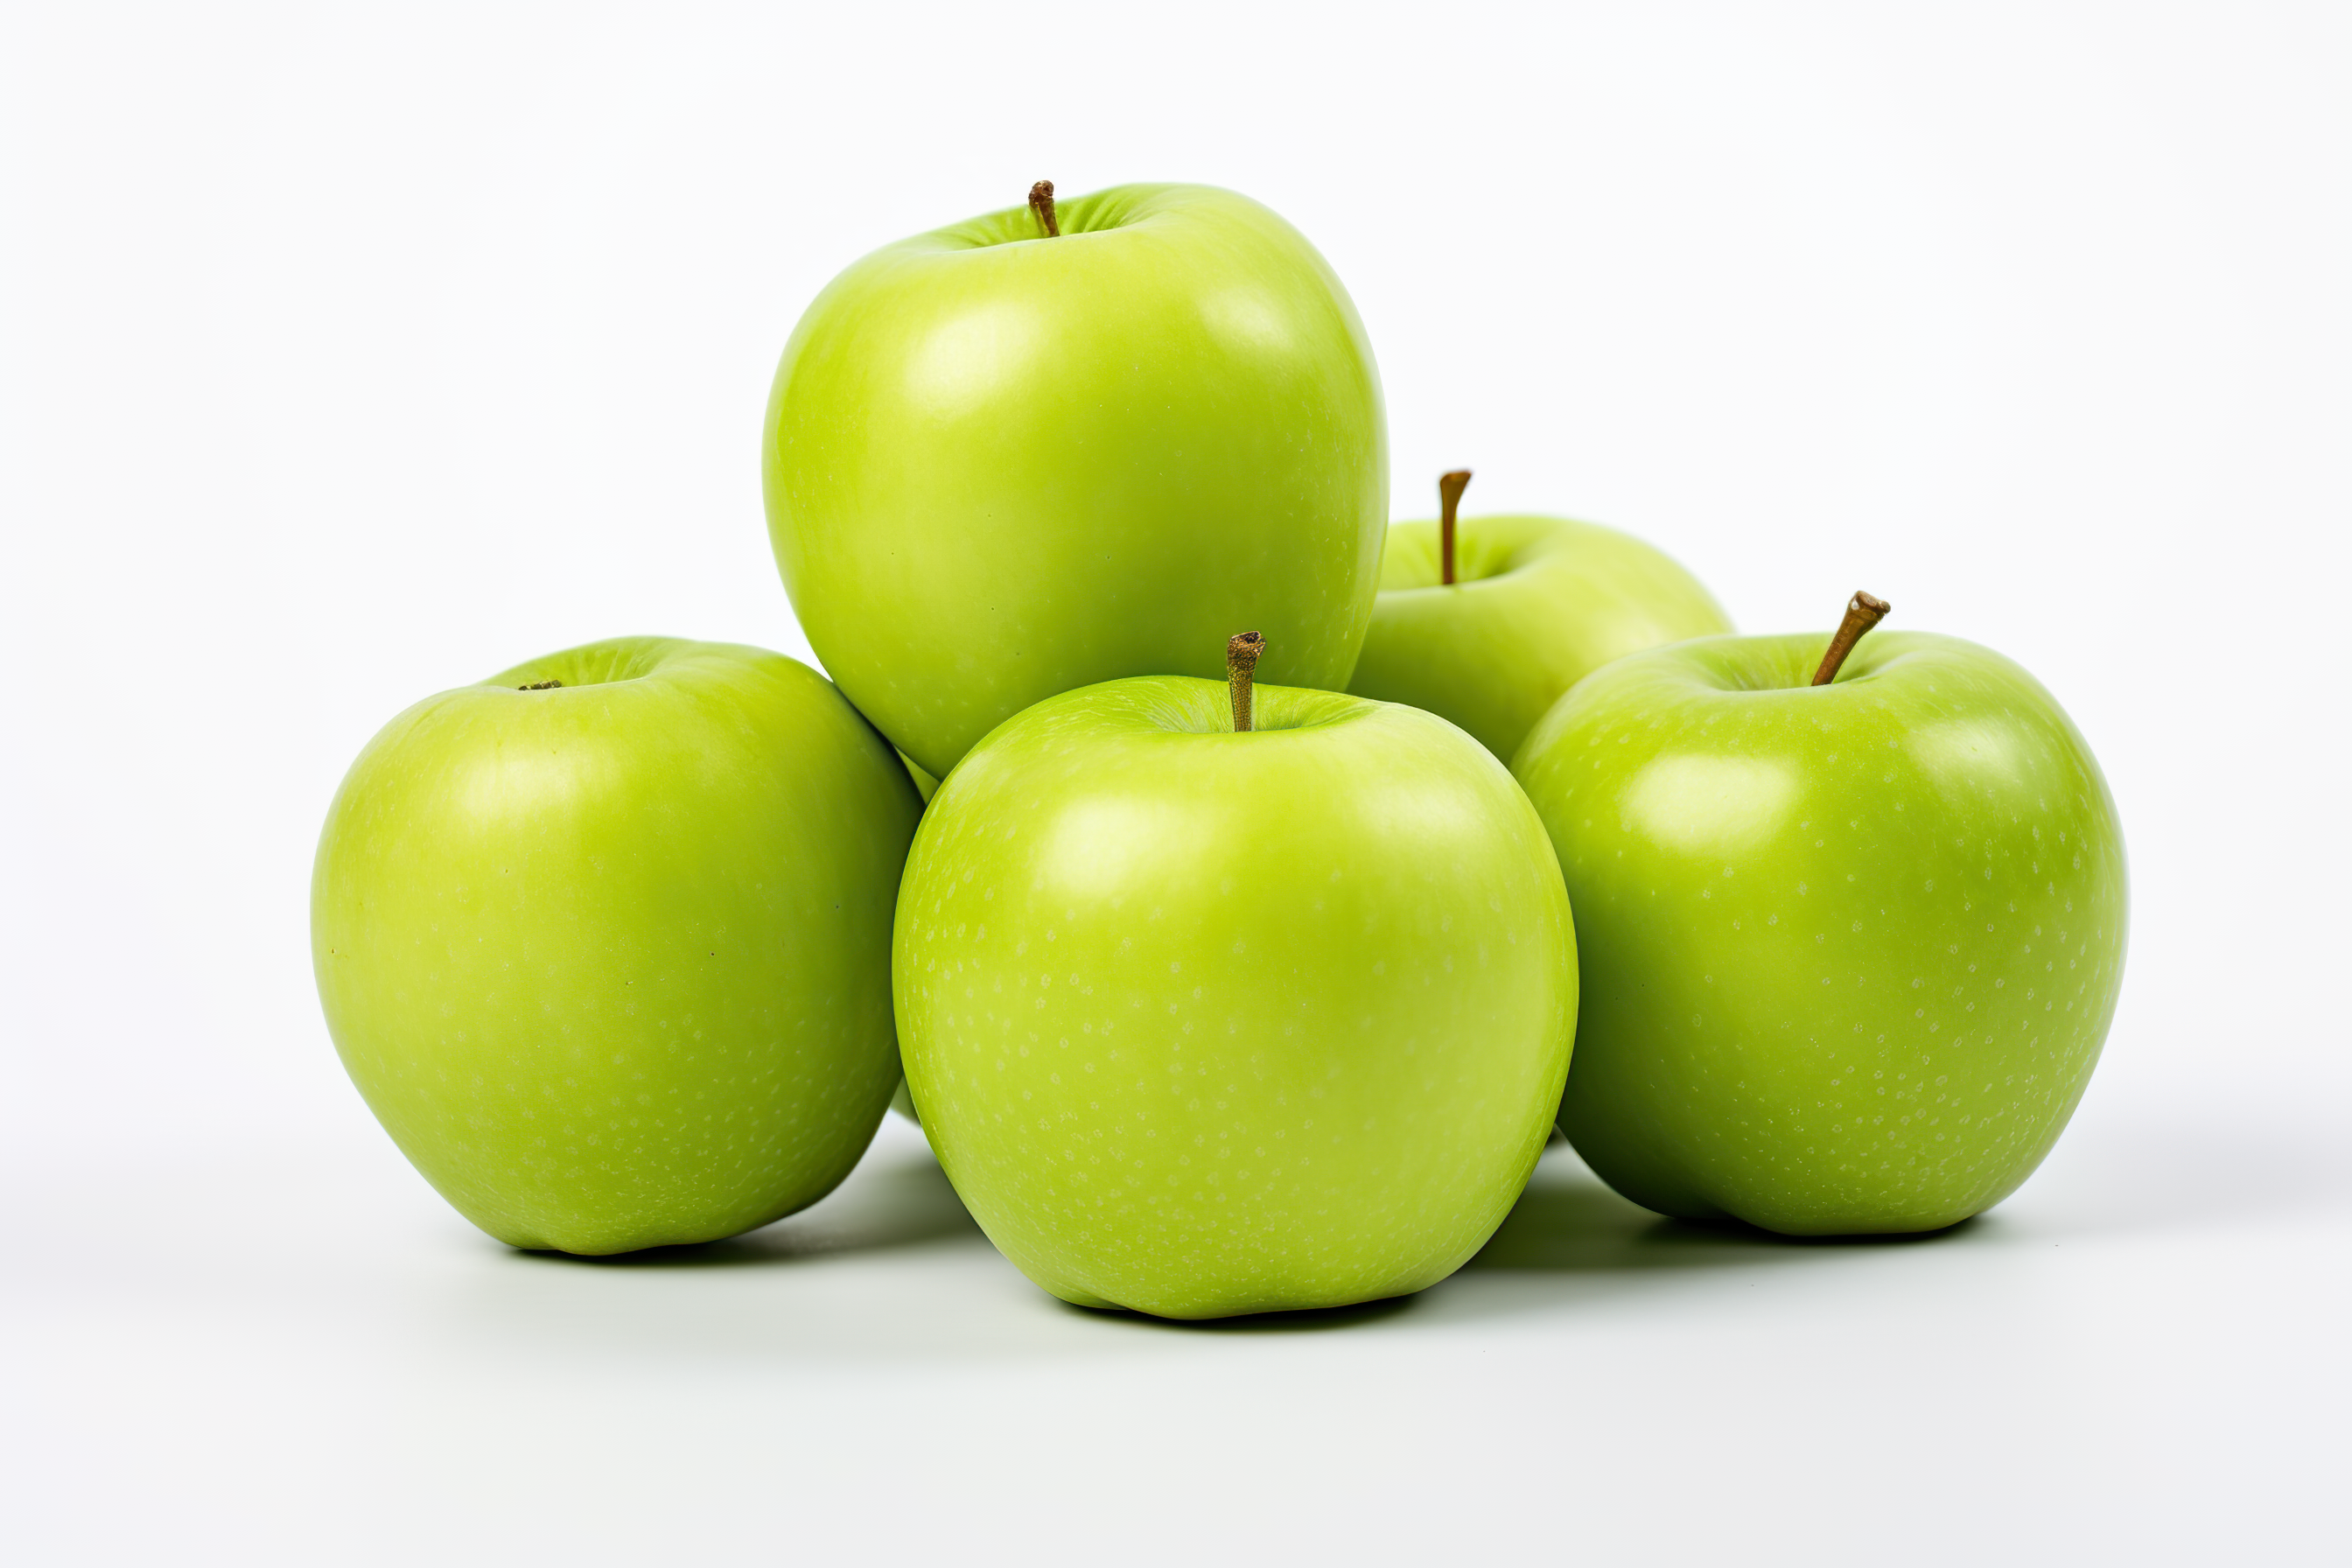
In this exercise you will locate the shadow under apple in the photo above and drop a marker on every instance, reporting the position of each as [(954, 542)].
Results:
[(1568, 1220), (904, 1203), (1316, 1319)]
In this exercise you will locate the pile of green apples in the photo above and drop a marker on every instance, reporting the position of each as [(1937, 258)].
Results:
[(1277, 857)]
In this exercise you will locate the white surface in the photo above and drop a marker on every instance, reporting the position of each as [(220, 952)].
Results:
[(343, 359), (295, 1353)]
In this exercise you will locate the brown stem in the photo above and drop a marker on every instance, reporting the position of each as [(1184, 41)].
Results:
[(540, 686), (1449, 500), (1242, 651), (1041, 202), (1862, 611)]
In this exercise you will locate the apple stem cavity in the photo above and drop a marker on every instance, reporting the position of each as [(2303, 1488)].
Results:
[(1863, 612), (1041, 202), (540, 686), (1450, 487), (1242, 651)]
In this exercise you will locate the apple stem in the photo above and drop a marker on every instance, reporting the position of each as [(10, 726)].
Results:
[(1041, 202), (1863, 612), (540, 686), (1242, 651), (1450, 487)]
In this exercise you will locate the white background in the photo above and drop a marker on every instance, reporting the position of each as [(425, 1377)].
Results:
[(350, 356)]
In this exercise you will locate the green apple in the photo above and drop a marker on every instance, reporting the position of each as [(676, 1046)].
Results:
[(1205, 1022), (1850, 950), (1000, 465), (1489, 633), (927, 786), (604, 940)]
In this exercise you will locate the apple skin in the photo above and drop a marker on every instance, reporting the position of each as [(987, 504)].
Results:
[(999, 467), (1204, 1023), (611, 961), (1537, 603), (927, 786), (1849, 951)]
